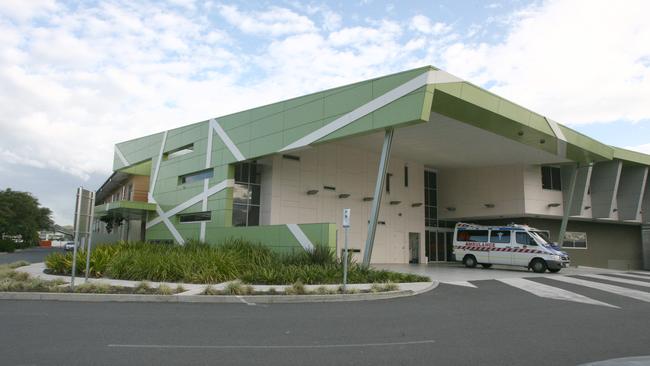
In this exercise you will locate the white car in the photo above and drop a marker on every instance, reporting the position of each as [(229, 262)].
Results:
[(69, 246), (516, 245)]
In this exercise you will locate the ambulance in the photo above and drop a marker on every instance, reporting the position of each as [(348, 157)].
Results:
[(515, 245)]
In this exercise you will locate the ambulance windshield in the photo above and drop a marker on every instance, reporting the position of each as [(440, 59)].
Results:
[(538, 239)]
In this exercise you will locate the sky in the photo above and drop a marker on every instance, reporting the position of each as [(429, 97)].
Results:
[(78, 77)]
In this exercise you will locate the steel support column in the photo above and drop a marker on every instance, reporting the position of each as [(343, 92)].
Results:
[(376, 201), (568, 203)]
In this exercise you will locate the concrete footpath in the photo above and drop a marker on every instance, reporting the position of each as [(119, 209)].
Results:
[(193, 291)]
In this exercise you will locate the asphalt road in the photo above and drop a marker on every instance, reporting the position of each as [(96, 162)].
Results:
[(493, 324), (31, 255)]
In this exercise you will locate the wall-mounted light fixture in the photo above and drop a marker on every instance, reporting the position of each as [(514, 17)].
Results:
[(520, 133), (312, 192), (489, 205), (329, 188), (541, 141), (395, 202), (366, 199), (344, 195), (417, 204), (587, 207), (614, 210), (291, 157), (554, 204), (450, 208)]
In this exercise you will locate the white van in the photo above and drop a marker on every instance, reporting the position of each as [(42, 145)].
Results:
[(517, 245)]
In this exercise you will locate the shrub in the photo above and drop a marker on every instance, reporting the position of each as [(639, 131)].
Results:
[(164, 290), (142, 288), (210, 290), (298, 288), (384, 287), (198, 262), (7, 245), (94, 288), (238, 288)]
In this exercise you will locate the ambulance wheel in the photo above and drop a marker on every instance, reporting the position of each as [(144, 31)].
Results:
[(469, 261), (486, 265), (554, 270), (538, 265)]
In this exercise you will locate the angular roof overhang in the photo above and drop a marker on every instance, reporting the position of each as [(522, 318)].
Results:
[(393, 101)]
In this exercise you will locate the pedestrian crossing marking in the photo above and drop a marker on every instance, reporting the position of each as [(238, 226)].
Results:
[(550, 292), (617, 279), (631, 275), (618, 290), (644, 273)]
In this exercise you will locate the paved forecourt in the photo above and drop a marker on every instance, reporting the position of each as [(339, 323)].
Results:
[(560, 320)]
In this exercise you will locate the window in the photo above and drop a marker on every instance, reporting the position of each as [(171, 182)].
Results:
[(523, 238), (500, 236), (196, 176), (246, 195), (195, 216), (179, 152), (551, 178), (472, 235), (575, 240), (430, 199), (406, 176)]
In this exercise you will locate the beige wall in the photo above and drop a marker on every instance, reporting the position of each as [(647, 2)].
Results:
[(469, 189), (352, 171)]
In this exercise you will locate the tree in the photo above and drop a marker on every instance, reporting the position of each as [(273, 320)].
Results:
[(21, 215)]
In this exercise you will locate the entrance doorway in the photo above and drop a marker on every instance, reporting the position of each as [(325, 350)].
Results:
[(414, 247), (439, 245)]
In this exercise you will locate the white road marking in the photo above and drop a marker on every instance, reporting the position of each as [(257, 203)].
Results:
[(618, 290), (645, 273), (308, 346), (460, 283), (244, 301), (632, 275), (617, 279), (550, 292)]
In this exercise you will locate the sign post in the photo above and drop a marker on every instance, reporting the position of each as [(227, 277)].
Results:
[(84, 212), (346, 228)]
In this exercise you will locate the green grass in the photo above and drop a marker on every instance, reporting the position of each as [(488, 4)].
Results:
[(233, 260)]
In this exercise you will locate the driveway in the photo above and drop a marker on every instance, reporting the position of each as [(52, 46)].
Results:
[(553, 320), (31, 255), (457, 274)]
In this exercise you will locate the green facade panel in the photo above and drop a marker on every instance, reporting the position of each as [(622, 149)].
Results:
[(268, 129)]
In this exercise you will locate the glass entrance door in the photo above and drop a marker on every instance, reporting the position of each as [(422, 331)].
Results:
[(438, 245)]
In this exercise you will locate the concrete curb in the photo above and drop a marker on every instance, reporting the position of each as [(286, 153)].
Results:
[(218, 299)]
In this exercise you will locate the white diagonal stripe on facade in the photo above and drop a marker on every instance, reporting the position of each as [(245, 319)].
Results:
[(301, 237), (226, 140), (155, 172), (196, 199), (550, 292), (365, 109), (618, 290), (429, 77), (121, 156), (169, 225)]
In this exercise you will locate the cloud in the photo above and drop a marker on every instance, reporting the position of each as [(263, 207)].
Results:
[(274, 22), (645, 148), (576, 61), (423, 24)]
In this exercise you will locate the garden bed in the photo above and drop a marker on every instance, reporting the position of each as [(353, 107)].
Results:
[(233, 260)]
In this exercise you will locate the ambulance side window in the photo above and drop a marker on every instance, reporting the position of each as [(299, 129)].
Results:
[(472, 235), (500, 236), (523, 238)]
